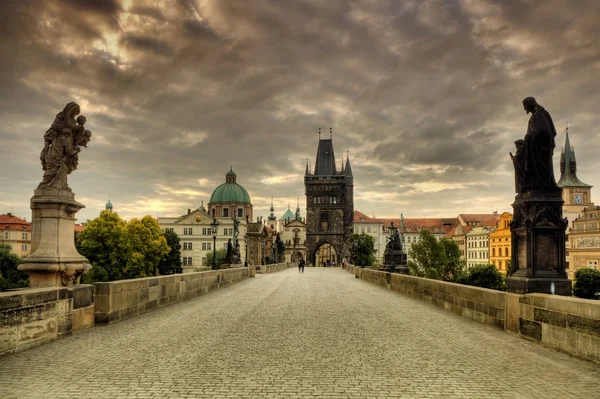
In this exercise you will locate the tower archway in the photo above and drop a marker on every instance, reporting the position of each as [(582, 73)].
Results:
[(325, 252)]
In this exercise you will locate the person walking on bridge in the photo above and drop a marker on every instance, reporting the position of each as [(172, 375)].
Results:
[(301, 266)]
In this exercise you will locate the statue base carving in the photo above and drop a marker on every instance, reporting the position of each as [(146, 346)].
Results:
[(538, 245), (398, 260), (54, 260)]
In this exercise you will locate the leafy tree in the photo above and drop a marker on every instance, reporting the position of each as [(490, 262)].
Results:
[(362, 249), (439, 260), (280, 249), (97, 274), (171, 263), (10, 276), (221, 255), (485, 276), (144, 246), (587, 284)]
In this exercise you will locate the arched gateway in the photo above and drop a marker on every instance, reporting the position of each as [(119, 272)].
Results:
[(329, 206)]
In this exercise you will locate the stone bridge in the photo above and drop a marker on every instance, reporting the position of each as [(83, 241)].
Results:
[(322, 333)]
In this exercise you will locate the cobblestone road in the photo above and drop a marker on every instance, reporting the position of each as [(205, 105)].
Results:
[(285, 335)]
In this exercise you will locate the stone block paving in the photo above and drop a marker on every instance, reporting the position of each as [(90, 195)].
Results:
[(319, 334)]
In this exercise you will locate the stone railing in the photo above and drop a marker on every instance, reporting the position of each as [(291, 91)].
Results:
[(566, 323), (123, 299), (276, 267), (32, 317)]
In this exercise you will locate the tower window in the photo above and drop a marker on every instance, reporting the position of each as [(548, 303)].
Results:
[(225, 212), (324, 221)]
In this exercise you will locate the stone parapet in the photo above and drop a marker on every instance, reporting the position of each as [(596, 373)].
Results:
[(32, 317), (276, 267), (569, 324), (123, 299)]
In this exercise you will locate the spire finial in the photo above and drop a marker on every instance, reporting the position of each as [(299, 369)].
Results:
[(567, 128), (319, 133), (330, 132)]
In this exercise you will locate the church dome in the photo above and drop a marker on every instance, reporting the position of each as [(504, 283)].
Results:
[(288, 215), (230, 191)]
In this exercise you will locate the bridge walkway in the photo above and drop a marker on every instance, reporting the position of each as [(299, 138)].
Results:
[(289, 335)]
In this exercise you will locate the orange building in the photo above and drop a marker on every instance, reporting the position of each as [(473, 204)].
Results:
[(500, 243), (15, 232)]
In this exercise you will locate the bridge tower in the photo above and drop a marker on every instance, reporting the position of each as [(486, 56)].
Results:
[(329, 205)]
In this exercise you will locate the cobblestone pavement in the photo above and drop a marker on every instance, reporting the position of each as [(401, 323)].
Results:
[(288, 335)]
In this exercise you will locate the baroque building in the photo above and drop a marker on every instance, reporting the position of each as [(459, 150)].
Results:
[(16, 233), (500, 243), (329, 206), (230, 199), (585, 241)]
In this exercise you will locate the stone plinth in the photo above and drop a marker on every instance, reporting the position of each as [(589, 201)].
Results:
[(538, 245), (398, 259), (54, 260)]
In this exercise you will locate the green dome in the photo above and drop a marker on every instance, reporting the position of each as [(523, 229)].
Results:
[(230, 192), (288, 215)]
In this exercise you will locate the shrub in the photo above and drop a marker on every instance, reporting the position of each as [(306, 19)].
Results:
[(587, 284), (484, 276)]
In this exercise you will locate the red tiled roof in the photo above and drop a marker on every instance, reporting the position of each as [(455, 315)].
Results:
[(79, 228), (10, 222), (434, 225)]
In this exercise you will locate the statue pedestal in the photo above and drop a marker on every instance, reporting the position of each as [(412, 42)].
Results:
[(54, 261), (398, 259), (538, 245)]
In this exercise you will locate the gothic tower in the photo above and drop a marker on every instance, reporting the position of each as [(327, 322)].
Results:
[(329, 206), (575, 193)]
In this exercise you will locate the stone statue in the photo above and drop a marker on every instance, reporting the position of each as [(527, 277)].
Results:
[(62, 144), (236, 227), (533, 158), (229, 249)]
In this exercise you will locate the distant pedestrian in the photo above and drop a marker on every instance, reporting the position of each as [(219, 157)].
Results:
[(301, 265)]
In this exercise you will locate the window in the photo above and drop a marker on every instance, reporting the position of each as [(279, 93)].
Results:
[(169, 229), (187, 261), (213, 212), (240, 212), (24, 247), (204, 260), (187, 245), (493, 251), (593, 264), (325, 222), (24, 236), (206, 231), (368, 229), (506, 251), (6, 235), (187, 231), (206, 246), (225, 212)]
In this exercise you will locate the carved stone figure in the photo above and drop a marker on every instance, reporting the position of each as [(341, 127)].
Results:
[(62, 144), (533, 158)]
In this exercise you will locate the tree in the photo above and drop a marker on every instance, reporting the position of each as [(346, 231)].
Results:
[(221, 255), (280, 249), (485, 276), (171, 263), (145, 246), (362, 249), (10, 276), (587, 284), (439, 260)]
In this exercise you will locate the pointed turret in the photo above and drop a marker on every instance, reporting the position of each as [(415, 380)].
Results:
[(568, 167), (348, 168), (272, 215), (306, 173), (298, 209), (325, 163)]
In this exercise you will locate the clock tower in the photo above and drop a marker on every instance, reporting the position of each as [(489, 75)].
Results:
[(575, 193)]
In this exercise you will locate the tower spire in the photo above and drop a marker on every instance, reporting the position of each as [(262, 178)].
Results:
[(568, 166)]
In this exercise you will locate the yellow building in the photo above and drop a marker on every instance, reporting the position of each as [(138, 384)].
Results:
[(585, 241), (15, 232), (500, 243)]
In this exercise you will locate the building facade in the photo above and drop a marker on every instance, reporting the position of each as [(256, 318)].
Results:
[(16, 233), (585, 241), (500, 243), (329, 206), (230, 199)]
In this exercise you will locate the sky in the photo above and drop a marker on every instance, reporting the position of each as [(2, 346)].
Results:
[(424, 95)]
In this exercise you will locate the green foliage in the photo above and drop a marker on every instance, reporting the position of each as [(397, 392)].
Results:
[(144, 246), (101, 243), (280, 249), (362, 249), (10, 276), (587, 284), (171, 263), (96, 275), (122, 250), (485, 276), (221, 255), (439, 260)]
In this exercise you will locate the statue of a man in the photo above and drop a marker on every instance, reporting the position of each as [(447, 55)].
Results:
[(62, 144), (533, 158)]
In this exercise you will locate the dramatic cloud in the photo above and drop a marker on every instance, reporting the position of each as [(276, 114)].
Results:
[(424, 95)]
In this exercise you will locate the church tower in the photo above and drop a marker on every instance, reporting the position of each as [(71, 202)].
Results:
[(329, 206), (109, 206), (576, 194)]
